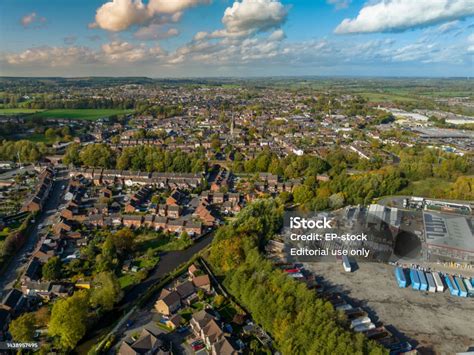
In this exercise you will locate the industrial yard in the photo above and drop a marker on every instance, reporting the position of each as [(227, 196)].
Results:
[(439, 322)]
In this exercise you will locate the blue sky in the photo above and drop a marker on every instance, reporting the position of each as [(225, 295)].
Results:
[(180, 38)]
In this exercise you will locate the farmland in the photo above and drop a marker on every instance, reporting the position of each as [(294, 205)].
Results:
[(72, 114), (18, 111), (81, 114)]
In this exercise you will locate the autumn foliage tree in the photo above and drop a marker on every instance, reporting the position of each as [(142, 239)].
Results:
[(69, 319), (298, 320)]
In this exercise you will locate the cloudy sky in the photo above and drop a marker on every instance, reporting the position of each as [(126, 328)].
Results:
[(181, 38)]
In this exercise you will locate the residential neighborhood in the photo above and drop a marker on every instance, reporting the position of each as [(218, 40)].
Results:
[(160, 227)]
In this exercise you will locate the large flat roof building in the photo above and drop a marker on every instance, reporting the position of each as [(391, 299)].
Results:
[(449, 236)]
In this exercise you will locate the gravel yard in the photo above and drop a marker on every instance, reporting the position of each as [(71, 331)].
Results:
[(438, 322)]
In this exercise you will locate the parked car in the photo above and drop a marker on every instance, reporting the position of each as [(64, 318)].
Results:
[(198, 347)]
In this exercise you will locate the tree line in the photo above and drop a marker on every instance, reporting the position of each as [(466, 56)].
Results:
[(23, 151), (138, 158), (289, 167), (298, 320)]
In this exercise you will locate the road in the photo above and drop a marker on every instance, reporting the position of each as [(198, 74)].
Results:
[(11, 174), (8, 278)]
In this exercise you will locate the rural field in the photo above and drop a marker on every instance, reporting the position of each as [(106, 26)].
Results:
[(16, 111), (81, 114), (73, 114)]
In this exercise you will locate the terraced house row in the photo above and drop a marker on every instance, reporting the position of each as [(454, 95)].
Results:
[(128, 177)]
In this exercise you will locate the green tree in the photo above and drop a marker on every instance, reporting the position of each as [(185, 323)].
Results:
[(218, 300), (52, 270), (22, 328), (50, 133), (69, 319), (302, 194), (98, 155), (106, 291), (123, 240), (72, 155), (299, 321)]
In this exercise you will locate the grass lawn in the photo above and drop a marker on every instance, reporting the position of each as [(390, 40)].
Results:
[(177, 244), (151, 241), (432, 187), (81, 114), (161, 242), (127, 280), (148, 263), (16, 111), (385, 97), (39, 138)]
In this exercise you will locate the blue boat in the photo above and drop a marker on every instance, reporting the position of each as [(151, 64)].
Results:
[(415, 279), (453, 289), (401, 277), (461, 287), (423, 281)]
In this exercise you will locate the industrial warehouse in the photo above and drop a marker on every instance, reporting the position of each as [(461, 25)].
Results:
[(448, 237)]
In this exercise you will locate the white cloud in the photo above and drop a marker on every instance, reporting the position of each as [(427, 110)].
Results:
[(247, 18), (154, 32), (119, 15), (174, 6), (400, 15), (51, 56), (114, 52), (117, 51), (265, 51), (176, 17), (200, 36), (32, 19), (254, 16), (277, 35), (448, 26)]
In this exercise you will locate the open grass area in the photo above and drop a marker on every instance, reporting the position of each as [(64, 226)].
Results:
[(151, 240), (386, 97), (161, 242), (17, 111), (39, 138), (126, 280), (432, 187), (148, 262), (81, 114)]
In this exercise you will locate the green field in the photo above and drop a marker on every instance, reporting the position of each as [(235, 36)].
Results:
[(16, 111), (386, 97), (431, 187), (81, 114), (39, 138)]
